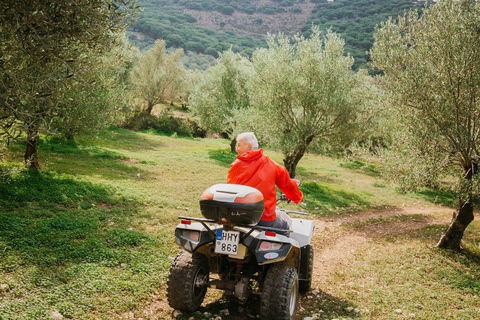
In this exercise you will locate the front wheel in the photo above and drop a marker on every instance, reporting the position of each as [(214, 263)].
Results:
[(280, 293), (187, 281)]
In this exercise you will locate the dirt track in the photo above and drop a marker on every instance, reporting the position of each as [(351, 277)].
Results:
[(332, 244)]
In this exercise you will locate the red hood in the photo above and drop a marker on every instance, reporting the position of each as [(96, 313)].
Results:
[(250, 155)]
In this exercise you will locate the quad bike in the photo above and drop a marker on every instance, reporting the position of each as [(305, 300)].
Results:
[(227, 250)]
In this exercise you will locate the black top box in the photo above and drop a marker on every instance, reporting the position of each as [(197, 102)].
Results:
[(232, 204)]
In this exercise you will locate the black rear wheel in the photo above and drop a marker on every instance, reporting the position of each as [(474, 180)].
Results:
[(280, 293), (187, 281), (306, 269)]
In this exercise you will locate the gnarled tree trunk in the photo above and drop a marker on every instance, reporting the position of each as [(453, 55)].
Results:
[(149, 109), (293, 157), (31, 154), (233, 144), (462, 217)]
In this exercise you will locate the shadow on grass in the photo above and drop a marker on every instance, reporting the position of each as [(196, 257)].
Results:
[(320, 303), (51, 221), (223, 156), (327, 306), (362, 166), (461, 268), (466, 276), (442, 197), (324, 199), (56, 145), (73, 158)]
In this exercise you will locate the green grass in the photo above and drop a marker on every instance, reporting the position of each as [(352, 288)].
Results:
[(360, 165), (91, 235), (224, 156), (443, 197), (70, 246)]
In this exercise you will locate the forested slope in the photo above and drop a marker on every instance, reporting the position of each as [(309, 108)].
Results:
[(355, 20), (206, 27)]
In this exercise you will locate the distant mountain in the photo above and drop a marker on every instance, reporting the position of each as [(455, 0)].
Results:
[(205, 27)]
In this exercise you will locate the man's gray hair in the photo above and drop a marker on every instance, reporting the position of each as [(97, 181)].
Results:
[(248, 137)]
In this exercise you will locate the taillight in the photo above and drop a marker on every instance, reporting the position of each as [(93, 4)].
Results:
[(269, 246), (192, 235), (186, 222), (270, 233)]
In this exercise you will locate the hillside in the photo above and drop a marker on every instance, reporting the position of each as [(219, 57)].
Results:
[(355, 20), (206, 27)]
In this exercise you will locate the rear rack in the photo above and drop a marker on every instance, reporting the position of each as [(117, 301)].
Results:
[(204, 221)]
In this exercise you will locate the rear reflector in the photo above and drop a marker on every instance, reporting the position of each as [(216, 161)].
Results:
[(270, 234), (186, 222)]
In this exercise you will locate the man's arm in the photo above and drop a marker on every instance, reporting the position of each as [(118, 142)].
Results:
[(287, 185)]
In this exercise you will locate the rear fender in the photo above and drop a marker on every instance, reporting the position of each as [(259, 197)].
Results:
[(185, 236), (288, 253)]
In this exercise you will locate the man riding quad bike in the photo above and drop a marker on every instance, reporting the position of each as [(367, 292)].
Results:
[(244, 244), (227, 250)]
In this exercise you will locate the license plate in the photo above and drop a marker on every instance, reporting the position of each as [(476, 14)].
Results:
[(226, 242)]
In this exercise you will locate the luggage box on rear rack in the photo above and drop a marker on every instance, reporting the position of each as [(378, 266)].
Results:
[(232, 204)]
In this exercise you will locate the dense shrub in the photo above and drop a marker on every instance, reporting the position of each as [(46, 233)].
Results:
[(228, 11), (166, 123)]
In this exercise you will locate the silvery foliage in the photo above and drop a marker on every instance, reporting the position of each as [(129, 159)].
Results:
[(220, 98), (431, 67), (305, 95), (158, 76)]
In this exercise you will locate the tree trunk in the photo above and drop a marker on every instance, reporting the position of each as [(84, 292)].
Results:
[(150, 106), (291, 161), (70, 136), (463, 215), (292, 158), (233, 145), (31, 154)]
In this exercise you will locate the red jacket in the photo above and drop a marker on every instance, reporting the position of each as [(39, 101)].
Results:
[(256, 170)]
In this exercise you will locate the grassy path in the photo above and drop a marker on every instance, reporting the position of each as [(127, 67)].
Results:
[(375, 264)]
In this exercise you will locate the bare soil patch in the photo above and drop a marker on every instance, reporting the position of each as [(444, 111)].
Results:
[(333, 245)]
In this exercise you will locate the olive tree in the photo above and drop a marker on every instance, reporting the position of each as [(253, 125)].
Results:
[(44, 46), (157, 76), (305, 95), (108, 87), (222, 94), (431, 66)]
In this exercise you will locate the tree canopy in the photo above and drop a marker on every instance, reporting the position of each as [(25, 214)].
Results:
[(43, 47), (157, 76), (431, 66), (305, 94), (222, 94)]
